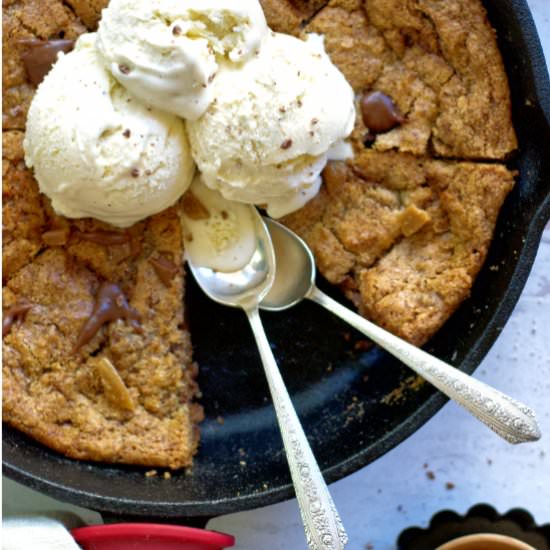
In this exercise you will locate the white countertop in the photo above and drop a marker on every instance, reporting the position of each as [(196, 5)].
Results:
[(395, 492)]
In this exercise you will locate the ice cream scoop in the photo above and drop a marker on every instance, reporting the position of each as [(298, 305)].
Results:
[(218, 233), (98, 152), (168, 52), (266, 138)]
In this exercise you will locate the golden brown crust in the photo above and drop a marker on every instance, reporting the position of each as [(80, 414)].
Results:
[(290, 16), (51, 393)]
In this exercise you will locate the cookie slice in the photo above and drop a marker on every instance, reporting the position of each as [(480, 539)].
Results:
[(404, 237), (116, 383), (437, 61)]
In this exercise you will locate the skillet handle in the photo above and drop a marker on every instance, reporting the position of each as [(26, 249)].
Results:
[(512, 420), (322, 524)]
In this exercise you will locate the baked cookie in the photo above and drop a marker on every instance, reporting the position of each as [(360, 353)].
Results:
[(404, 237), (97, 357)]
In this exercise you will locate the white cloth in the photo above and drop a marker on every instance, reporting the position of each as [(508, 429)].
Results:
[(36, 533)]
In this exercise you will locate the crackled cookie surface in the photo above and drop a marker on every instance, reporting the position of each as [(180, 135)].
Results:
[(127, 393), (402, 229)]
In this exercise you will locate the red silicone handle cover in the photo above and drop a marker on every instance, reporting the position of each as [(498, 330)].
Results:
[(150, 536)]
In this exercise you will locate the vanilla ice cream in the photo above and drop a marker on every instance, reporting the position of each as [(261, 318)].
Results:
[(266, 138), (98, 152), (218, 233), (167, 52)]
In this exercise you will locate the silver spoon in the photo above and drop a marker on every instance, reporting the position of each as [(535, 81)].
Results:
[(295, 280), (245, 288)]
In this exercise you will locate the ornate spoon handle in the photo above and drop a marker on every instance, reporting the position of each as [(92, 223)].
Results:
[(322, 525), (512, 420)]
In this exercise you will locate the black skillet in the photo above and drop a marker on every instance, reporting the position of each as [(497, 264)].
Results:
[(337, 387)]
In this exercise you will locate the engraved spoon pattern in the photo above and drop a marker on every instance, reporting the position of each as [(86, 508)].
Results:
[(245, 288), (295, 280)]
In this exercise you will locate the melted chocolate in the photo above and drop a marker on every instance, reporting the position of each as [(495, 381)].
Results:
[(41, 55), (55, 237), (110, 305), (193, 207), (105, 238), (13, 314), (380, 113), (165, 269)]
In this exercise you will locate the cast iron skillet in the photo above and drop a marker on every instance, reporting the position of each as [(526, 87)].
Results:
[(338, 390)]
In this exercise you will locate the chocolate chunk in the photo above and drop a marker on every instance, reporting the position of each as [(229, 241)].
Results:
[(110, 305), (55, 237), (287, 143), (176, 30), (13, 314), (105, 238), (335, 173), (165, 269), (124, 69), (380, 113), (41, 55), (127, 133), (368, 139), (193, 207)]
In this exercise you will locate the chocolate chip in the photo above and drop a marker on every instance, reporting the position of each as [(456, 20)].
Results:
[(13, 314), (287, 143), (368, 139), (224, 214), (127, 133), (176, 31), (380, 113), (55, 237), (41, 55), (165, 269), (135, 173), (110, 305), (124, 69), (193, 207), (314, 121)]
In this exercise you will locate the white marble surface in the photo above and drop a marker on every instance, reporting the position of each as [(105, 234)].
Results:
[(395, 492)]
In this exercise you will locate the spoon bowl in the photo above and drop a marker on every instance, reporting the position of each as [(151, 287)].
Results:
[(247, 286), (295, 280), (295, 269)]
